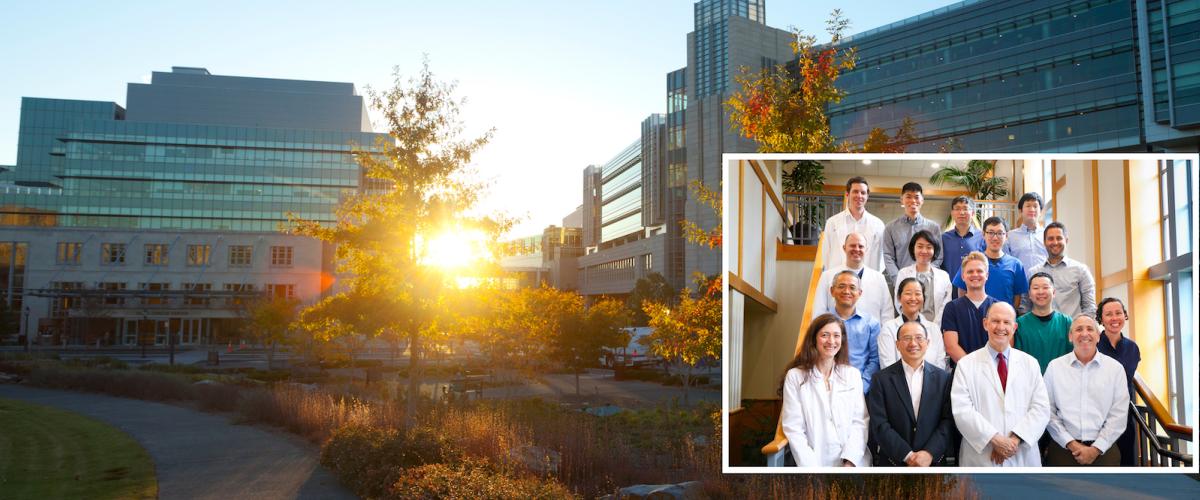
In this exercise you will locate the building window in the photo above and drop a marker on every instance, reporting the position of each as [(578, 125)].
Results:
[(198, 299), (68, 253), (1175, 190), (198, 255), (113, 299), (60, 305), (281, 256), (241, 255), (156, 254), (154, 298), (112, 253), (238, 287), (280, 291)]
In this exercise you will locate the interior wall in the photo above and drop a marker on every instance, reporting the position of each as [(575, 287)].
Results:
[(1113, 249), (1075, 209), (769, 341)]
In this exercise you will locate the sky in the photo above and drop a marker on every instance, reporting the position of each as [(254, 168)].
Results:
[(564, 84)]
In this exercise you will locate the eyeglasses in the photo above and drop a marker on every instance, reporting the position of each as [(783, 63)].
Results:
[(844, 286), (910, 339), (994, 234)]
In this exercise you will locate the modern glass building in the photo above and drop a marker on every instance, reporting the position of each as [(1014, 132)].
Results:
[(1015, 76), (153, 221)]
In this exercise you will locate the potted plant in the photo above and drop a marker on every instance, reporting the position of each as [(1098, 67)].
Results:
[(977, 177), (805, 176)]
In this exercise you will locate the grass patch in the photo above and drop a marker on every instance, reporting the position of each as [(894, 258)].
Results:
[(50, 453)]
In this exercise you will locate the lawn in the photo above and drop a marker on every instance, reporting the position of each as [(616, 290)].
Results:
[(50, 453)]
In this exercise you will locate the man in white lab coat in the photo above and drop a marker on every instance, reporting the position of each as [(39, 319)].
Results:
[(999, 400)]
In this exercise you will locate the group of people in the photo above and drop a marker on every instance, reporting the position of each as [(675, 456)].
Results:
[(986, 345)]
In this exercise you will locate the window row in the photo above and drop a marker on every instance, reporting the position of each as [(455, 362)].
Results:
[(70, 253)]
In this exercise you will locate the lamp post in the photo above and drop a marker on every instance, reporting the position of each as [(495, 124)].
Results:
[(170, 340), (28, 338)]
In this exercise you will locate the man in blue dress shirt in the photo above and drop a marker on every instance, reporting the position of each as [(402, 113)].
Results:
[(963, 239), (862, 332), (1006, 276), (1025, 242)]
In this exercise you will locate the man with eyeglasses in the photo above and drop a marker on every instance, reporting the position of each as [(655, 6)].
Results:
[(1006, 276), (909, 406), (963, 238), (862, 331), (898, 233)]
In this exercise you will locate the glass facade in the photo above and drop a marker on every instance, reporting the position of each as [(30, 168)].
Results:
[(711, 43), (118, 173), (676, 174), (621, 194), (1000, 76), (1173, 34), (654, 169)]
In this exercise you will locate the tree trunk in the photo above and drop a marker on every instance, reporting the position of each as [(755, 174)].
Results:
[(687, 381), (414, 383), (576, 380), (270, 354)]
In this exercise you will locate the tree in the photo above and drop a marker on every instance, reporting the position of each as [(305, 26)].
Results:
[(418, 186), (687, 333), (878, 140), (582, 339), (269, 319), (785, 112), (653, 287), (976, 177)]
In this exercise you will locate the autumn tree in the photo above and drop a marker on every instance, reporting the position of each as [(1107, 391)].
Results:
[(685, 334), (878, 140), (653, 287), (269, 319), (419, 184), (784, 112), (582, 340)]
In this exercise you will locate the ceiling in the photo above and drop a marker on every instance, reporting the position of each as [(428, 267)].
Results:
[(915, 169)]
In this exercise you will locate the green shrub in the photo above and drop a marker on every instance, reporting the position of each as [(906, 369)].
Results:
[(370, 460), (472, 479)]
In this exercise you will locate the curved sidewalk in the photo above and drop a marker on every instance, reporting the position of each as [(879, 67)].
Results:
[(200, 455)]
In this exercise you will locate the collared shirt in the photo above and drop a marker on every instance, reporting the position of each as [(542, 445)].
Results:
[(1045, 339), (1074, 287), (916, 380), (1006, 279), (896, 237), (935, 351), (961, 316), (862, 337), (955, 247), (1126, 352), (995, 355), (841, 225), (1086, 400), (875, 301), (1027, 246)]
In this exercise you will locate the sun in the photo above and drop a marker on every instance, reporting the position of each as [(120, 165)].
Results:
[(455, 250)]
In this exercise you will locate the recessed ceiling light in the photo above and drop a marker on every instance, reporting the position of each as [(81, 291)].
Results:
[(867, 161), (934, 165)]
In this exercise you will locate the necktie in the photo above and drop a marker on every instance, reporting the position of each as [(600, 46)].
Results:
[(1002, 369)]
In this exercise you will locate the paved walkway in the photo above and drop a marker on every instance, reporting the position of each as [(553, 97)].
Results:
[(199, 455)]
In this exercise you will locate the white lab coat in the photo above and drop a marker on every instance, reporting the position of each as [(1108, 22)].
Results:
[(806, 423), (941, 294), (982, 410)]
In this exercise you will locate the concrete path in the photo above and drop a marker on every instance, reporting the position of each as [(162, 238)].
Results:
[(200, 455), (1086, 486)]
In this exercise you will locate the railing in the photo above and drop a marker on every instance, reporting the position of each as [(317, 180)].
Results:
[(1164, 449), (807, 213), (1006, 210)]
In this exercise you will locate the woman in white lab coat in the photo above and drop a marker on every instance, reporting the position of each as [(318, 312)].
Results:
[(924, 247), (910, 295), (824, 414)]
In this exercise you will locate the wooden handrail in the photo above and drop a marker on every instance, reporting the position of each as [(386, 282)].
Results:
[(1159, 410), (807, 316)]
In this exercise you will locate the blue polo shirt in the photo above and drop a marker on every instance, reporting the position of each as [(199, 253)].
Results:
[(961, 315), (955, 247), (1006, 278), (1126, 352), (862, 338)]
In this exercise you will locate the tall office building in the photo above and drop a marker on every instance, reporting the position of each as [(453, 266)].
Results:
[(126, 224), (1016, 76), (729, 35)]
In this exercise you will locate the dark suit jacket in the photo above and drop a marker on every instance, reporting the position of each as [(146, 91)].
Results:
[(893, 433)]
